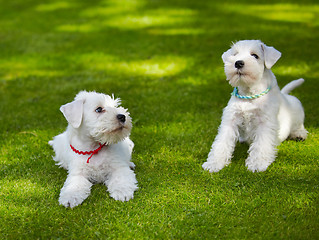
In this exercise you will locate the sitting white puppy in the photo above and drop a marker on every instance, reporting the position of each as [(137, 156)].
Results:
[(95, 148), (258, 112)]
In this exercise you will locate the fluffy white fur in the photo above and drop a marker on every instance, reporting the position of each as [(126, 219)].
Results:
[(95, 118), (263, 122)]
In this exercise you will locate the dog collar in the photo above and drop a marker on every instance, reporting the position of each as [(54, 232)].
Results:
[(88, 152), (235, 93)]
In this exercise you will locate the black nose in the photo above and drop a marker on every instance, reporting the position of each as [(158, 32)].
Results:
[(121, 118), (239, 64)]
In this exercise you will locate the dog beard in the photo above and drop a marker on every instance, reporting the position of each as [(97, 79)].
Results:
[(113, 135), (237, 77), (110, 130)]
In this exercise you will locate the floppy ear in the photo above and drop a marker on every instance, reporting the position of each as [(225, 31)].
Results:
[(271, 55), (226, 55), (73, 112)]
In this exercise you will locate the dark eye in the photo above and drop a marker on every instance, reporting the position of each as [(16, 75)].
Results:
[(99, 110), (254, 55)]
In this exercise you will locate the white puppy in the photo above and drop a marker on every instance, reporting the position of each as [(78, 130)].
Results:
[(258, 112), (95, 148)]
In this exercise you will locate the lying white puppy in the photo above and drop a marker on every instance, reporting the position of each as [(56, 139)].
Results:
[(258, 112), (95, 148)]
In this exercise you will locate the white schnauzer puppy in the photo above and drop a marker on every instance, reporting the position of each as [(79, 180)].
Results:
[(95, 148), (258, 112)]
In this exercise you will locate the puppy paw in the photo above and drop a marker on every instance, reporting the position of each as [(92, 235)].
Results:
[(299, 135), (122, 194), (213, 166), (299, 139), (132, 165), (122, 184), (75, 190), (257, 165), (70, 201)]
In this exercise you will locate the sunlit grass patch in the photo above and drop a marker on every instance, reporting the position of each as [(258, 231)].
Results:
[(193, 81), (176, 31), (84, 28), (298, 69), (54, 6), (20, 188), (156, 66), (160, 17), (25, 66), (113, 7), (128, 15), (279, 12)]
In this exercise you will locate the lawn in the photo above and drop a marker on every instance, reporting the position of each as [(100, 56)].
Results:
[(163, 59)]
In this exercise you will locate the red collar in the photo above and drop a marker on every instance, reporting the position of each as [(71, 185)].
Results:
[(88, 152)]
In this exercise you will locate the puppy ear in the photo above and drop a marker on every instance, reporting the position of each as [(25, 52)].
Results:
[(271, 55), (226, 55), (73, 112)]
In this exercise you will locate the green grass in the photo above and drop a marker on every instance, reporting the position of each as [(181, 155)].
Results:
[(163, 58)]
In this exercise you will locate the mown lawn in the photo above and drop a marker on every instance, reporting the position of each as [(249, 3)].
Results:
[(163, 59)]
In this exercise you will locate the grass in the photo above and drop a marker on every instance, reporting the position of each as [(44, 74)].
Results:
[(163, 58)]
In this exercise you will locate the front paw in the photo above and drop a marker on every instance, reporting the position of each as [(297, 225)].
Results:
[(70, 200), (123, 194), (121, 184), (255, 165), (213, 166), (75, 190)]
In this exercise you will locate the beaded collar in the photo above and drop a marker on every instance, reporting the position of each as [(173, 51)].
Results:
[(235, 93)]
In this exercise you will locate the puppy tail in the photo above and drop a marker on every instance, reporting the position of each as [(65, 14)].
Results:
[(292, 85)]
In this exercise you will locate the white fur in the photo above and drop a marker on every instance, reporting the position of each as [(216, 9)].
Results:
[(87, 128), (263, 122)]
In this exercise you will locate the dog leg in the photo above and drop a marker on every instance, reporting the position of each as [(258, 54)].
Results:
[(223, 147), (121, 184), (75, 190), (262, 151)]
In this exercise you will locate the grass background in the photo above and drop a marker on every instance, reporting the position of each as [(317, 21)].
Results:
[(163, 58)]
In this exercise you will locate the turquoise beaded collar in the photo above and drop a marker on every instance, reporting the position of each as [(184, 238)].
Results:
[(235, 93)]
